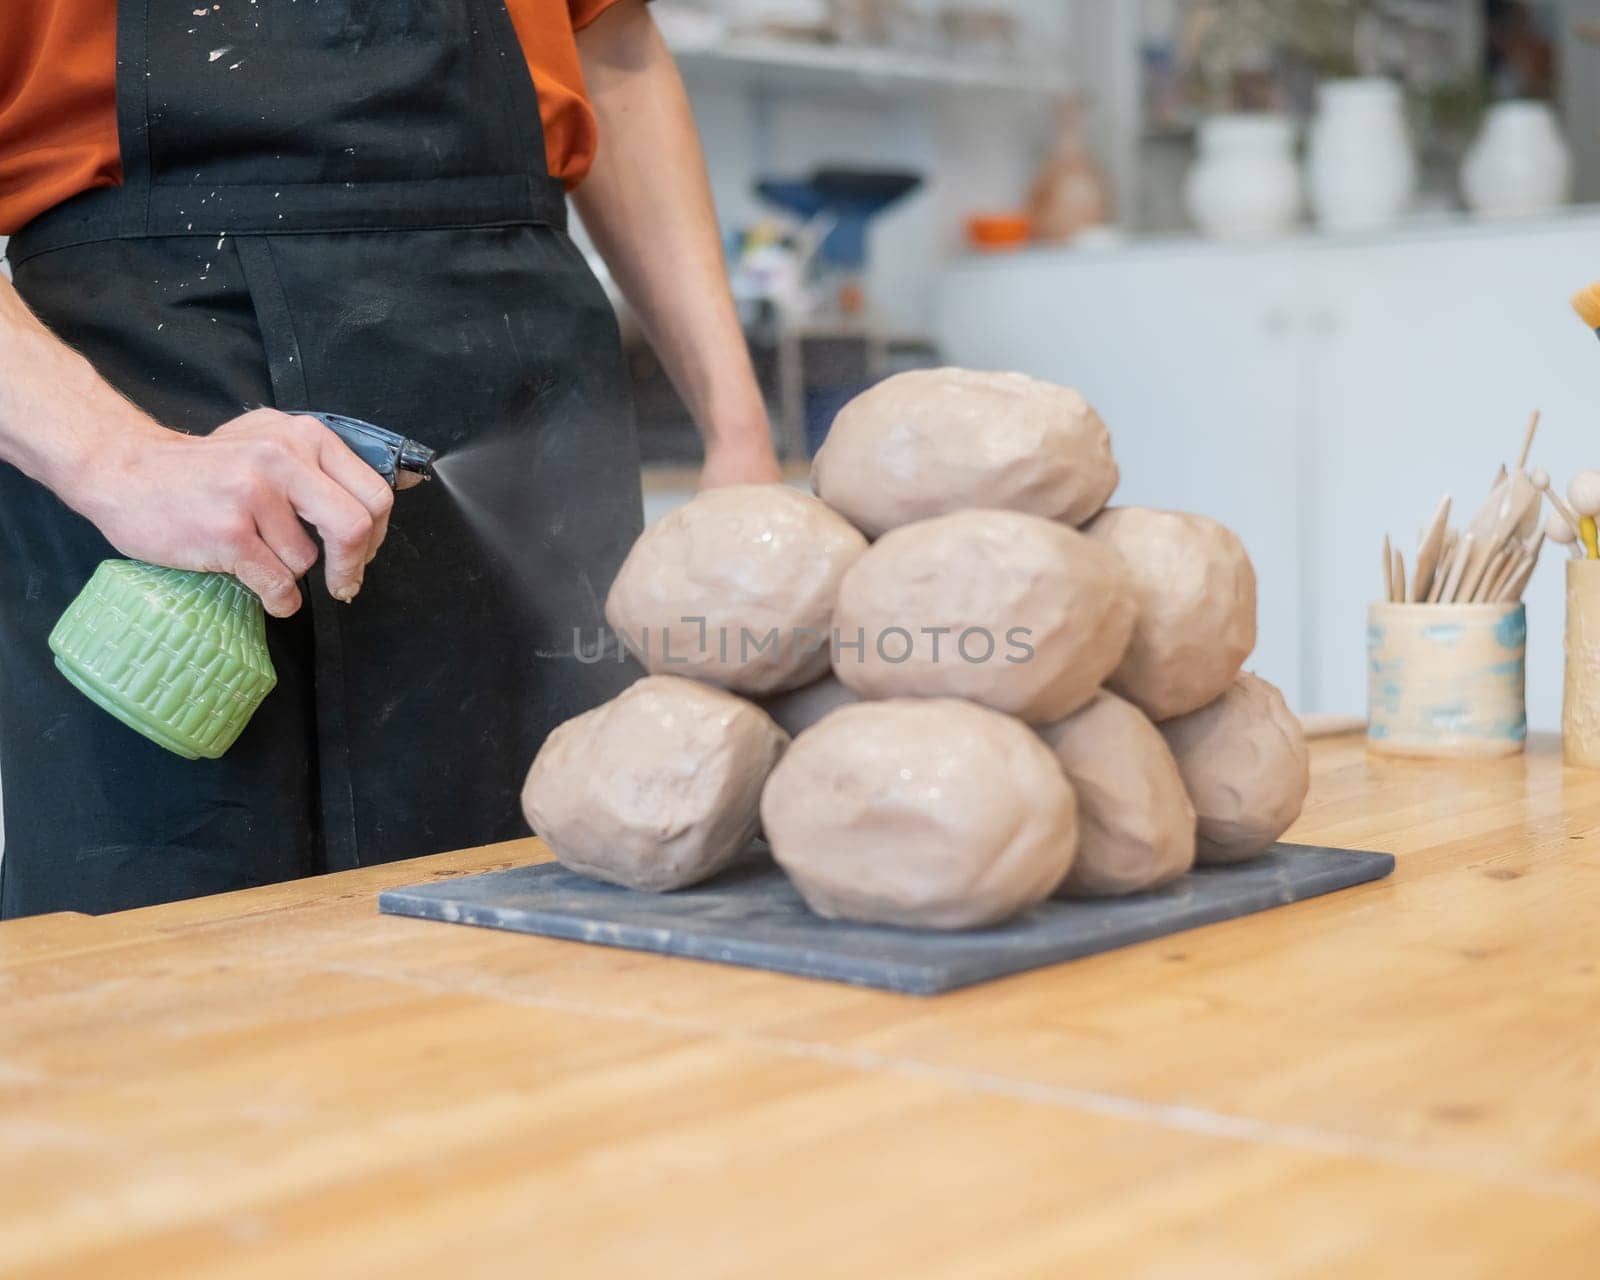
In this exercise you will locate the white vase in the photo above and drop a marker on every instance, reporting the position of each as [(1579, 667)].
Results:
[(1360, 171), (1519, 164), (1244, 182)]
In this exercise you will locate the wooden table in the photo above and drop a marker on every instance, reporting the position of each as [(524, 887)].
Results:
[(1398, 1080)]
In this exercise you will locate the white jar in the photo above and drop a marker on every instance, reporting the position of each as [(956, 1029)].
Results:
[(1520, 163), (1244, 182), (1360, 170)]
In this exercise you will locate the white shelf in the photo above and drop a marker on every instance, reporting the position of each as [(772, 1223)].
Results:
[(793, 64)]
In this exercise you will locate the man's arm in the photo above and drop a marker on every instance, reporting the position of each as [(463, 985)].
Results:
[(647, 205), (232, 501)]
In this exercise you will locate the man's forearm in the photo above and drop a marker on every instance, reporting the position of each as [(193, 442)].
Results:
[(233, 501), (647, 205), (58, 417)]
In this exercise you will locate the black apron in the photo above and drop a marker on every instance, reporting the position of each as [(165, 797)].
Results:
[(343, 206)]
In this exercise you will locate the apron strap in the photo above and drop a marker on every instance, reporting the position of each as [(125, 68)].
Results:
[(291, 394), (133, 117), (287, 369)]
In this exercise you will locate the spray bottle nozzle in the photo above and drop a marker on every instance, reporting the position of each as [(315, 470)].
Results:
[(386, 452)]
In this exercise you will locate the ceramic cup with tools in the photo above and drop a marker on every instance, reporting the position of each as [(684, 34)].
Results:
[(1446, 679)]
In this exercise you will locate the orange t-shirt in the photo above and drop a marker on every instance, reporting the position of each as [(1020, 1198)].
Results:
[(58, 96)]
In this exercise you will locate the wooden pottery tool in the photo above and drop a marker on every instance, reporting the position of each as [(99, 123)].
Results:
[(1452, 584), (1527, 441), (1428, 551), (1559, 530), (1492, 569), (1388, 569), (1540, 478), (1447, 554), (1518, 582), (1584, 493)]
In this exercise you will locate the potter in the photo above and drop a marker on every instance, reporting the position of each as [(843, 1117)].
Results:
[(363, 208)]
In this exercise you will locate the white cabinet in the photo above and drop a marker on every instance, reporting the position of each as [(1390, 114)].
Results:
[(1199, 385), (1316, 394)]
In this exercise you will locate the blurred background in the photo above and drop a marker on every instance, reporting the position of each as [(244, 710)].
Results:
[(1309, 258)]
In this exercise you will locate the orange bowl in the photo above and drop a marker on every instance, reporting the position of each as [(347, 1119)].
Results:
[(999, 230)]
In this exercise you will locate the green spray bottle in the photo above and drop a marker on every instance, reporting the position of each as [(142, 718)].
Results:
[(180, 655)]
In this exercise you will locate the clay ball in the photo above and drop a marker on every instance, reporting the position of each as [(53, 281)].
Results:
[(1136, 826), (1196, 594), (799, 709), (736, 588), (933, 441), (1245, 765), (933, 813), (656, 789), (1014, 611)]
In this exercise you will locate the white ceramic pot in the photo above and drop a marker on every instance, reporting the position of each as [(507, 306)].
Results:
[(1244, 182), (1519, 164), (1361, 173)]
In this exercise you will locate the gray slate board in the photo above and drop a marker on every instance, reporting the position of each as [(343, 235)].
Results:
[(752, 916)]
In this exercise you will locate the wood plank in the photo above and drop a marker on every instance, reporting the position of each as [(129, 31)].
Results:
[(1361, 1018), (335, 1125), (1395, 1080)]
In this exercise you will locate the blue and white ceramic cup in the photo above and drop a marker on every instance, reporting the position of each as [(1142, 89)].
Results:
[(1446, 679)]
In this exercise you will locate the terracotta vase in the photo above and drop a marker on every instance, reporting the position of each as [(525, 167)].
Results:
[(1069, 193)]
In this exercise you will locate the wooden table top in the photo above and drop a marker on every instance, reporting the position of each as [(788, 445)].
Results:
[(1400, 1079)]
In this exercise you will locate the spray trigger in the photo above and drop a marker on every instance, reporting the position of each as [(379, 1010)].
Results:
[(386, 452)]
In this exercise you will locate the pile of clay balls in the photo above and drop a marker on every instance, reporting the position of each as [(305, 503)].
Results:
[(1011, 691)]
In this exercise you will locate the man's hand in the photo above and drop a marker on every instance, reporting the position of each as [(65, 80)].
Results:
[(233, 502), (749, 460)]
